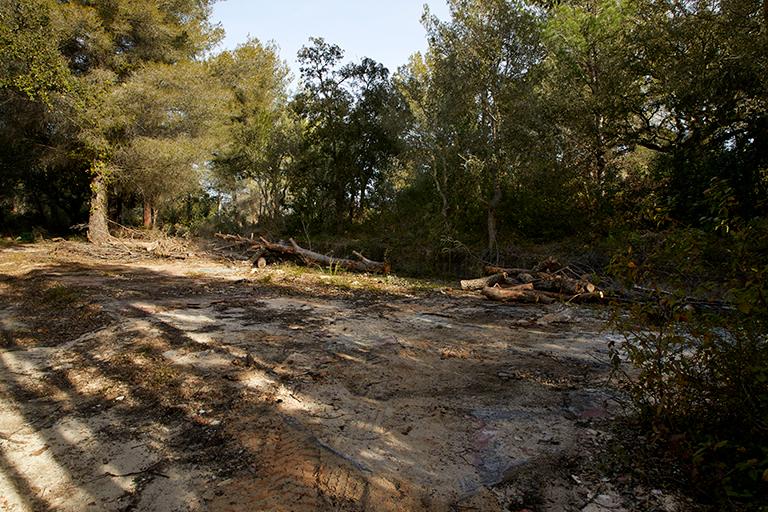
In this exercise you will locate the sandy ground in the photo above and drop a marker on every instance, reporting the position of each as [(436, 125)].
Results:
[(159, 385)]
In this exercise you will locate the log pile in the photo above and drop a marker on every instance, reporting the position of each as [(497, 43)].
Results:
[(541, 285), (263, 251)]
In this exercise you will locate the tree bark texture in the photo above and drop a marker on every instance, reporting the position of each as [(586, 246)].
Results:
[(520, 293), (147, 214), (483, 282), (98, 231)]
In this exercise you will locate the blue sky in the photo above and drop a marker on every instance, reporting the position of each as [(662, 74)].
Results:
[(387, 31)]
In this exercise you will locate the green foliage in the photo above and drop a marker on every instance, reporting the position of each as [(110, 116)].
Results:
[(63, 64), (530, 121), (61, 295), (705, 92), (481, 116), (591, 89), (700, 377), (352, 121), (166, 121), (30, 63), (260, 144)]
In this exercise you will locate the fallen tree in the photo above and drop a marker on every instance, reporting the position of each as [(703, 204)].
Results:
[(490, 270), (363, 264), (560, 284), (262, 246)]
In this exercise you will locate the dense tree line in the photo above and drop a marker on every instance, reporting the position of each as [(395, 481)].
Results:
[(537, 120)]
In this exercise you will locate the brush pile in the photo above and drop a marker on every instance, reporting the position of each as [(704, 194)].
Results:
[(546, 283)]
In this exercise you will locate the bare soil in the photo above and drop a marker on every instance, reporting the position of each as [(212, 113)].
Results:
[(149, 384)]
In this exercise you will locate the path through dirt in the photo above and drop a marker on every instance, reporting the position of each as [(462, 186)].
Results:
[(198, 385)]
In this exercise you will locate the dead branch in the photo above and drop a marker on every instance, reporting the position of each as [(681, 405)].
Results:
[(365, 265), (310, 257)]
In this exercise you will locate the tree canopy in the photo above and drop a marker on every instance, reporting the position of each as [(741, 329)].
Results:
[(522, 119)]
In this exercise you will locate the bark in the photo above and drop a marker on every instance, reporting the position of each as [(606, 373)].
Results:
[(550, 264), (493, 204), (98, 231), (147, 214), (525, 293), (578, 298), (521, 293), (441, 185), (364, 265), (560, 284), (483, 282)]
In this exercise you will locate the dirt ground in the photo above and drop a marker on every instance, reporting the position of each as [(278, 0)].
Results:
[(164, 385)]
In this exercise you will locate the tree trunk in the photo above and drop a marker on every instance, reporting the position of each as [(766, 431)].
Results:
[(119, 210), (147, 214), (441, 185), (492, 228), (340, 205), (560, 284), (513, 272), (98, 231)]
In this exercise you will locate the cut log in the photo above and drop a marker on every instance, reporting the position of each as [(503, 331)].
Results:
[(483, 282), (258, 258), (364, 259), (525, 277), (550, 264), (365, 265), (560, 284), (521, 293)]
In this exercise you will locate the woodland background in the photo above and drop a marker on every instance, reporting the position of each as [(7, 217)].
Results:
[(630, 136)]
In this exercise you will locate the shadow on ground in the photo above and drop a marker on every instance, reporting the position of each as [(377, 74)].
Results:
[(165, 387)]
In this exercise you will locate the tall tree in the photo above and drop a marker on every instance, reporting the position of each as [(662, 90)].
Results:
[(33, 78), (101, 44), (482, 62), (167, 120), (592, 86), (706, 65), (351, 115), (263, 134)]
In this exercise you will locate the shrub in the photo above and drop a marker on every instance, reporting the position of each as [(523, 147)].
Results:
[(699, 375)]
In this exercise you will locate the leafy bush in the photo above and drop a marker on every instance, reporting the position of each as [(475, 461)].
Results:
[(699, 377)]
